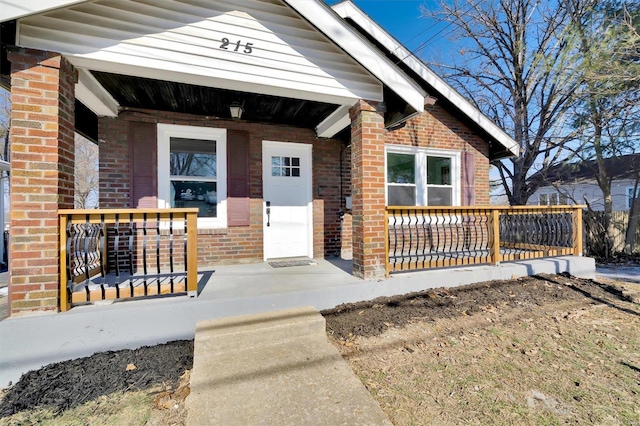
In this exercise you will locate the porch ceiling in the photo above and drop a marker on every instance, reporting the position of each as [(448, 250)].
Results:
[(138, 92)]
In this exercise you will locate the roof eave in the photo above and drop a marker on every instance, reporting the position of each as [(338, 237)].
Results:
[(346, 9)]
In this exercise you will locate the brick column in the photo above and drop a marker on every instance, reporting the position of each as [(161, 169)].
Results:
[(42, 174), (367, 182)]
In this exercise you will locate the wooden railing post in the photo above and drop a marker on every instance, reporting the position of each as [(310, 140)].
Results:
[(64, 297), (495, 237), (577, 231), (387, 264), (192, 254)]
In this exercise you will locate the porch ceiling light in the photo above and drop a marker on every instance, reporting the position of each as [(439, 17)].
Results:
[(236, 110)]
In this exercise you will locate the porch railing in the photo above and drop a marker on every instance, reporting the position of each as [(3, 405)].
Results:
[(435, 237), (108, 254)]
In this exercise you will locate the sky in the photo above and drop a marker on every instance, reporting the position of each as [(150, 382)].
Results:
[(403, 20)]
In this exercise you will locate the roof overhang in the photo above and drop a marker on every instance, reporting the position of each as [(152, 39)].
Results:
[(347, 9), (14, 9)]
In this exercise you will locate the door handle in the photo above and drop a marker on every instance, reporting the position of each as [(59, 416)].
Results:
[(268, 213)]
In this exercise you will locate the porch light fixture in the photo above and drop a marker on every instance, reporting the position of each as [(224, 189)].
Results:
[(236, 110)]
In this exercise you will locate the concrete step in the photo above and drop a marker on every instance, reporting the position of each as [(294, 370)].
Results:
[(264, 329), (294, 376)]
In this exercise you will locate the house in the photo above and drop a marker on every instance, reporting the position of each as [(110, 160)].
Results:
[(288, 124), (576, 183)]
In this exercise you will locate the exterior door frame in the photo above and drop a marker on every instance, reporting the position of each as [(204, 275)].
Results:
[(266, 171)]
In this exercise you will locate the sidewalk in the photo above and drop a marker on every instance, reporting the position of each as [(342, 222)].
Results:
[(280, 368), (34, 341)]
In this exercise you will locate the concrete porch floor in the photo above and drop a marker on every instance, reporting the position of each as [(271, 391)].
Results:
[(31, 342)]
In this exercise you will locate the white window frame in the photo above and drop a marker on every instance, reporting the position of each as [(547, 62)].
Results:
[(421, 168), (168, 131), (630, 196)]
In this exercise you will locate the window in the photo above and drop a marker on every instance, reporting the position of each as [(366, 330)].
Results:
[(553, 199), (544, 199), (420, 177), (630, 196), (192, 171)]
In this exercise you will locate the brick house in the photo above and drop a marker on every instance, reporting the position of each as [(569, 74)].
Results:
[(338, 121)]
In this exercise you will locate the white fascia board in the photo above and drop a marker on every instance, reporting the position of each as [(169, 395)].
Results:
[(157, 73), (329, 23), (347, 9), (338, 120), (14, 9), (95, 97)]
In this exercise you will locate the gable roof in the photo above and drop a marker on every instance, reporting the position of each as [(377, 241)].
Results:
[(435, 85), (618, 168), (368, 44)]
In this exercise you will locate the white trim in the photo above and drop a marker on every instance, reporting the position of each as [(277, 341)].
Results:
[(165, 133), (338, 120), (347, 9), (423, 153), (268, 86), (266, 168), (14, 9), (323, 18), (95, 97)]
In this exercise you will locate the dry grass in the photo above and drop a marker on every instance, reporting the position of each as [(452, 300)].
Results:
[(564, 363)]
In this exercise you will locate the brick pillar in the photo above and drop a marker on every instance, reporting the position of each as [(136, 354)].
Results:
[(367, 181), (42, 174)]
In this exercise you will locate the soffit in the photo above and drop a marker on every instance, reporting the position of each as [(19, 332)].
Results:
[(272, 50)]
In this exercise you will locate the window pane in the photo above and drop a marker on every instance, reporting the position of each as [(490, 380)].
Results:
[(401, 169), (543, 200), (402, 195), (439, 196), (193, 157), (438, 171), (564, 199), (553, 199), (202, 195)]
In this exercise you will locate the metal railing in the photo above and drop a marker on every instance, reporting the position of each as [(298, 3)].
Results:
[(108, 254), (436, 237)]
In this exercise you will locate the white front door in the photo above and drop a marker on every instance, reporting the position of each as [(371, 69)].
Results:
[(287, 200)]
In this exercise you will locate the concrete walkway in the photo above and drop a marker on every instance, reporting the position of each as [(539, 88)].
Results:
[(275, 368), (28, 343)]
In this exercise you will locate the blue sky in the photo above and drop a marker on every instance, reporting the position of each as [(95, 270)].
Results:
[(402, 19)]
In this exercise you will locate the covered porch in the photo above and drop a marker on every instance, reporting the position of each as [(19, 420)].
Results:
[(273, 120)]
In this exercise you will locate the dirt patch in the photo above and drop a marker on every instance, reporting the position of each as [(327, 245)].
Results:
[(538, 350), (375, 317)]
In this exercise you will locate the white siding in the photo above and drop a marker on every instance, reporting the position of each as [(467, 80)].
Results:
[(181, 41), (592, 193)]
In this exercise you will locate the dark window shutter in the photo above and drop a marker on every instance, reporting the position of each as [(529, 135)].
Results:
[(144, 165), (469, 188), (238, 206)]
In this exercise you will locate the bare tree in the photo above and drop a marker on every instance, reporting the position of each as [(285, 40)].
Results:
[(513, 65), (5, 121), (86, 173), (606, 110)]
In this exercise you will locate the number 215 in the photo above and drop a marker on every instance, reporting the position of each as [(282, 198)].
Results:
[(247, 47)]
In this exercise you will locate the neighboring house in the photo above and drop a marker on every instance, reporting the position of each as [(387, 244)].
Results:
[(338, 120), (576, 183)]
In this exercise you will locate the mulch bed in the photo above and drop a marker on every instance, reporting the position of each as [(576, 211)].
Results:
[(68, 384)]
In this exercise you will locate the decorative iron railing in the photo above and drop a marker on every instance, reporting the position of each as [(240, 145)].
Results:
[(124, 253), (435, 237)]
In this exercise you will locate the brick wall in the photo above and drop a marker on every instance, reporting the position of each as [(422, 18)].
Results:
[(42, 173), (438, 129), (235, 244)]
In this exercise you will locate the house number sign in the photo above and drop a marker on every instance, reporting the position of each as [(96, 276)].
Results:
[(226, 45)]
